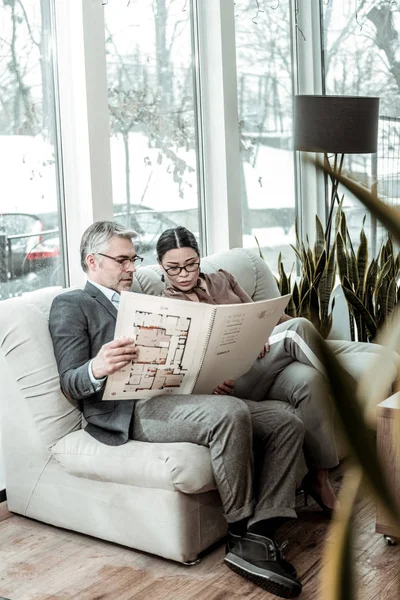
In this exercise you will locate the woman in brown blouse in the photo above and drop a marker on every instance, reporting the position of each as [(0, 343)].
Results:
[(292, 340)]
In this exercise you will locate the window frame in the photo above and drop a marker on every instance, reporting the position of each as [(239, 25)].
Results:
[(85, 121)]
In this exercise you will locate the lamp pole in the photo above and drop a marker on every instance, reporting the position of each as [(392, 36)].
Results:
[(335, 125), (336, 169)]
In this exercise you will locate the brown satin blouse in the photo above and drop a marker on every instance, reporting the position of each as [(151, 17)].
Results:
[(222, 287)]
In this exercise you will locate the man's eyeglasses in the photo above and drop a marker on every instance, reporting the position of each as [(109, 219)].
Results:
[(124, 263), (190, 268)]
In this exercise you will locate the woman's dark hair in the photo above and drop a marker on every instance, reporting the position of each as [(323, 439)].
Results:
[(179, 237)]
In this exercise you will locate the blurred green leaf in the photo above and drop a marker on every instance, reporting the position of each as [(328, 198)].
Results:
[(359, 438), (337, 563)]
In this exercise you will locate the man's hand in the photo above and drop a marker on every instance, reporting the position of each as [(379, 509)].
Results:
[(114, 356), (225, 389)]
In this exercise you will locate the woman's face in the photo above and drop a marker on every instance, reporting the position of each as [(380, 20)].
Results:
[(176, 259)]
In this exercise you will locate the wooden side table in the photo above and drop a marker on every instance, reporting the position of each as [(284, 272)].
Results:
[(389, 453)]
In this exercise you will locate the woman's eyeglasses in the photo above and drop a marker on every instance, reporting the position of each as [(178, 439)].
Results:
[(124, 263), (190, 268)]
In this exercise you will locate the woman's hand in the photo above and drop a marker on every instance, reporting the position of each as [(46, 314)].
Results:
[(264, 350), (284, 318), (225, 389)]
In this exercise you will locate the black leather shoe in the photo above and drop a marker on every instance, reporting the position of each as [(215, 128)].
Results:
[(232, 539), (259, 559)]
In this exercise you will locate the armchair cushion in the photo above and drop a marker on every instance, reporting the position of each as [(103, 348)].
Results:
[(26, 344), (180, 467)]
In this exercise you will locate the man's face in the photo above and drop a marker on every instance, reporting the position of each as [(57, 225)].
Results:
[(108, 272)]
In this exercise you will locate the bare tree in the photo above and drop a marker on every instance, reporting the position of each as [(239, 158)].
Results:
[(150, 96), (25, 91), (386, 36)]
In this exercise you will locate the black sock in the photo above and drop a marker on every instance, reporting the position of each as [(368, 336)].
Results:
[(267, 527), (238, 527)]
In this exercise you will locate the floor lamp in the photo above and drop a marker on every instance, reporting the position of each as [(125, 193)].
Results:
[(335, 125)]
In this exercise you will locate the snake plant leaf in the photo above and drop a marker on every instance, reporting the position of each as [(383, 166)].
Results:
[(320, 242), (381, 277), (372, 274), (331, 268), (285, 282), (359, 438), (326, 325), (324, 305), (397, 265), (314, 309), (291, 308), (390, 252), (304, 305), (304, 289), (341, 257), (305, 311), (352, 324), (324, 297), (326, 285), (370, 286), (362, 263), (302, 250), (338, 216), (359, 307), (319, 269), (286, 285), (381, 302), (296, 230), (259, 248), (298, 253), (353, 272), (310, 264), (362, 331), (384, 255), (343, 225), (316, 282), (390, 298), (296, 297)]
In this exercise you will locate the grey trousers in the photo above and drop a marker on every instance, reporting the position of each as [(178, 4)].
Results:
[(255, 447), (292, 372)]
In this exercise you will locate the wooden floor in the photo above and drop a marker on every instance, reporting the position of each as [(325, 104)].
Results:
[(41, 562)]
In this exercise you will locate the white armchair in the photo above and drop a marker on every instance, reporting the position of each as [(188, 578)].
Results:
[(159, 498)]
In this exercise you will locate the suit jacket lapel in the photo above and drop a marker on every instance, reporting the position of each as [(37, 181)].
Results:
[(93, 291)]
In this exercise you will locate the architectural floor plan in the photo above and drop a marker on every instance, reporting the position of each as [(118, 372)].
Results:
[(161, 340), (188, 347)]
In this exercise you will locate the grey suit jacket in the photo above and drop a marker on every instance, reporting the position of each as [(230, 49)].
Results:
[(81, 321)]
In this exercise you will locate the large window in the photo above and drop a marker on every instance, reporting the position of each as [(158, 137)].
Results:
[(264, 78), (361, 43), (152, 120), (30, 254)]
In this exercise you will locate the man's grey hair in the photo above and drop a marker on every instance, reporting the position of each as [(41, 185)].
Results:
[(97, 237)]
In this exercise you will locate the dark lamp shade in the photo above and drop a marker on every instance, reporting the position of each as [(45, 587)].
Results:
[(336, 124)]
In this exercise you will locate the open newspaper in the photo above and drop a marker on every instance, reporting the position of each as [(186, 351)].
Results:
[(188, 347)]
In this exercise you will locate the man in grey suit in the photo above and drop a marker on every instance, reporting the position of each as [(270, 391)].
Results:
[(255, 500)]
